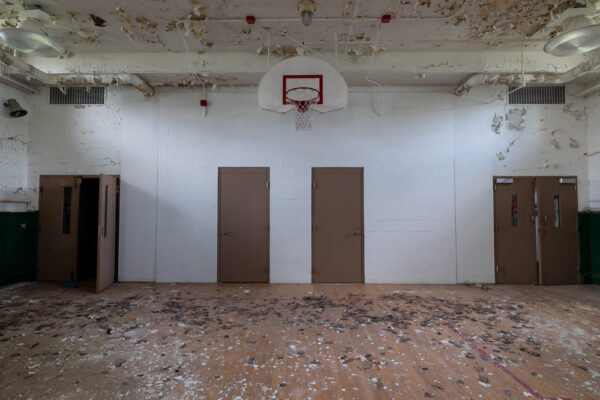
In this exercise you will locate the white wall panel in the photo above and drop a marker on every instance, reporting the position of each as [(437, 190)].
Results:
[(428, 166)]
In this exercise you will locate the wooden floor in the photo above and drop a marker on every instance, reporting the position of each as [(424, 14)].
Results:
[(146, 341)]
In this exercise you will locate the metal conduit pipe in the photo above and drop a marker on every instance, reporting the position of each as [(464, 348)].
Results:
[(7, 80), (458, 11), (588, 91), (516, 78), (76, 79)]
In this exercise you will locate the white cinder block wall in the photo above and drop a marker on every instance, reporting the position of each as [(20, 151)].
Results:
[(73, 140), (592, 106), (429, 162), (14, 141)]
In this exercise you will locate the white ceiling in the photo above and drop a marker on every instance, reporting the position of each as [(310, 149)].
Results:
[(109, 30), (149, 25)]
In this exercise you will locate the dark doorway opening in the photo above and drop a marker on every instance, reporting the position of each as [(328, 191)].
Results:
[(87, 251), (78, 230)]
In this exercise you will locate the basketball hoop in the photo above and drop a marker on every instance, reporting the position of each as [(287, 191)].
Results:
[(304, 98)]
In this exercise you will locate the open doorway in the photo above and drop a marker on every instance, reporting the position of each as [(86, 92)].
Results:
[(78, 229), (87, 237)]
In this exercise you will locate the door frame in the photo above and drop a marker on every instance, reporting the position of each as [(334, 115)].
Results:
[(88, 176), (537, 224), (536, 233), (578, 244), (361, 170), (219, 214)]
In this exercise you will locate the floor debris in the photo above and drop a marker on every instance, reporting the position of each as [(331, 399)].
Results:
[(202, 341)]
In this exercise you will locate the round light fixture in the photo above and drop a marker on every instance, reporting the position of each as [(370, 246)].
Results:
[(306, 9), (28, 41), (577, 41)]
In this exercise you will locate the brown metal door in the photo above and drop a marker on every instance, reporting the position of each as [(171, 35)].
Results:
[(514, 224), (337, 216), (59, 218), (107, 227), (243, 225), (558, 230)]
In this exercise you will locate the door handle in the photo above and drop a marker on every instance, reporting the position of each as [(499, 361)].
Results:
[(533, 218), (224, 231), (357, 231)]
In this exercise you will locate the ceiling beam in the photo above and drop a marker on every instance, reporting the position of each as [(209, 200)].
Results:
[(231, 63)]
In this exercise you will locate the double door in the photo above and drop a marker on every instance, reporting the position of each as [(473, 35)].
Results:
[(535, 223), (60, 240)]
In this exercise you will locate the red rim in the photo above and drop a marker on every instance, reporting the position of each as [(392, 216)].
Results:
[(303, 104)]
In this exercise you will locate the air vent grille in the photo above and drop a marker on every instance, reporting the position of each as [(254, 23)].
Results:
[(537, 95), (77, 95)]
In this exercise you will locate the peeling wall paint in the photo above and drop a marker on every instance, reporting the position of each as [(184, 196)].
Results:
[(544, 140), (14, 142), (515, 120), (427, 150), (74, 140)]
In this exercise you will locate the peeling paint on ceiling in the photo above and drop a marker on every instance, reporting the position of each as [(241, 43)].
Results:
[(86, 26)]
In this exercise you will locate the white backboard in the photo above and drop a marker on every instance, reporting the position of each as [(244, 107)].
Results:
[(302, 71)]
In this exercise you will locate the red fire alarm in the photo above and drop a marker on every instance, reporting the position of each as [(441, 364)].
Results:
[(250, 19), (203, 103), (386, 18)]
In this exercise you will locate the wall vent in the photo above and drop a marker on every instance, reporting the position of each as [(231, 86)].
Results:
[(537, 95), (77, 95)]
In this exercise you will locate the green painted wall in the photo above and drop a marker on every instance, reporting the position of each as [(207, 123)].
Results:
[(18, 246), (589, 237)]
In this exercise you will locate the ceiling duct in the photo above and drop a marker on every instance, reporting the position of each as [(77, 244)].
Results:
[(511, 78), (87, 80), (30, 37)]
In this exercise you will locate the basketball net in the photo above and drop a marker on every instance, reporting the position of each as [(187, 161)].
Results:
[(304, 98)]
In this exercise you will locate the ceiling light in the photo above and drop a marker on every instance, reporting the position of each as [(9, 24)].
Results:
[(580, 37), (30, 38), (306, 8)]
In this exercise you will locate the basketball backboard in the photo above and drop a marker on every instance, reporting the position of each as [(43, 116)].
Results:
[(302, 72)]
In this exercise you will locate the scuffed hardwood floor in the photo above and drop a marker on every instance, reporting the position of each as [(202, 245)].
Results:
[(203, 341)]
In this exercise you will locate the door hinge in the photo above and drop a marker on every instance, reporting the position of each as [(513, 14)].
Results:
[(497, 269), (268, 228), (41, 189), (314, 185), (266, 269), (575, 188), (100, 231), (268, 185), (496, 228), (494, 187), (314, 227), (578, 267)]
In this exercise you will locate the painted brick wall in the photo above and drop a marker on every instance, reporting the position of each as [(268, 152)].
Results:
[(429, 162), (74, 140), (409, 194), (592, 107), (14, 140)]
